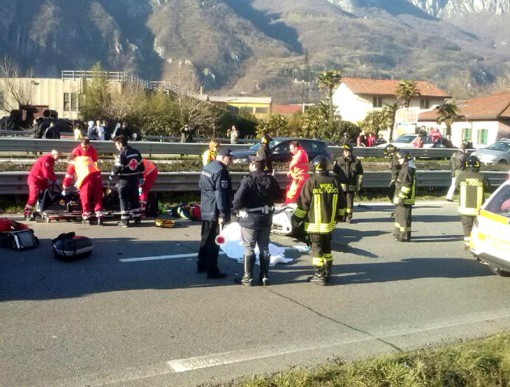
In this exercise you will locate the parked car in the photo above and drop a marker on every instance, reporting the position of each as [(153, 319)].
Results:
[(404, 141), (489, 238), (497, 153), (280, 150)]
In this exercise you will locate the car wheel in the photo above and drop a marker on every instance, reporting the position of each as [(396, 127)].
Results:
[(502, 162), (498, 271)]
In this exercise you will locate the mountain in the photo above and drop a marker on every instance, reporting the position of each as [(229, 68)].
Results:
[(263, 47)]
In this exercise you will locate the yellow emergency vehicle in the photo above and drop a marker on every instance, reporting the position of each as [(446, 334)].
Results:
[(490, 236)]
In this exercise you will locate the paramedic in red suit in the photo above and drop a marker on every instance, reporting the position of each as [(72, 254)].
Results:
[(89, 183), (41, 176), (298, 171), (85, 149), (149, 177)]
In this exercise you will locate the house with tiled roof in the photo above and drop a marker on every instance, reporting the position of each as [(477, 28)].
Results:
[(286, 110), (355, 97), (483, 121)]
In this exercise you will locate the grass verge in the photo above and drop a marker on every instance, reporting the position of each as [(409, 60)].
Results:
[(480, 363)]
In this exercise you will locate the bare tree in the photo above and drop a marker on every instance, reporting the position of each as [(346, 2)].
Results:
[(15, 92), (192, 107), (126, 100)]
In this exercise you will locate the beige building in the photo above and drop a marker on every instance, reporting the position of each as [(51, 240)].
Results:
[(60, 94)]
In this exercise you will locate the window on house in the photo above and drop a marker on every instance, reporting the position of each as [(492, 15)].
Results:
[(70, 102), (483, 134), (424, 103), (377, 102), (246, 109), (467, 135), (261, 110)]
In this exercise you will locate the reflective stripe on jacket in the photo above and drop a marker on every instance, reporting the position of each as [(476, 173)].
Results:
[(81, 166), (321, 203), (405, 185), (472, 187)]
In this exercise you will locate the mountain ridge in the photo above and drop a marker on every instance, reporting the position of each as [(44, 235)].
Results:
[(263, 47)]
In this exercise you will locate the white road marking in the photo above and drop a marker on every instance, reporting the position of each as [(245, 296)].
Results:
[(161, 257)]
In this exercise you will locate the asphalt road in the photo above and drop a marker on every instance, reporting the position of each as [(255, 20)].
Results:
[(116, 319)]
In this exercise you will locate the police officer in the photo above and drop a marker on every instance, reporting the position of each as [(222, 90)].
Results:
[(457, 165), (474, 186), (405, 193), (321, 204), (254, 201), (350, 175), (129, 167), (216, 197)]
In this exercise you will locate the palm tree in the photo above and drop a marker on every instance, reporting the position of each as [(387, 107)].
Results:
[(328, 80), (447, 112), (406, 91), (389, 112)]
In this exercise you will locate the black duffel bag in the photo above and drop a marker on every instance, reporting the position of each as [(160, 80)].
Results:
[(69, 247)]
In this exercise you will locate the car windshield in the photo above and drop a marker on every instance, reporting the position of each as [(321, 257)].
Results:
[(500, 203), (272, 143), (405, 138), (502, 146)]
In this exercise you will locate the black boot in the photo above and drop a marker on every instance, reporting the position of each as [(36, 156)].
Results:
[(318, 277), (265, 259), (249, 261), (328, 266)]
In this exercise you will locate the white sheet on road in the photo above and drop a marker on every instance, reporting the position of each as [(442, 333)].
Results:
[(234, 249)]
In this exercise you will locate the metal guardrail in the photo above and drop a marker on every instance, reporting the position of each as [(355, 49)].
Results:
[(22, 144), (14, 183)]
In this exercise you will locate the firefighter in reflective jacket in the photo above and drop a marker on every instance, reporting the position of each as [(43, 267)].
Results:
[(298, 171), (405, 193), (474, 186), (129, 167), (41, 176), (89, 183), (321, 204), (350, 175), (149, 177)]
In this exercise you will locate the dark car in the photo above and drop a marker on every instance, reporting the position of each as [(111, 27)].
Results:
[(280, 150)]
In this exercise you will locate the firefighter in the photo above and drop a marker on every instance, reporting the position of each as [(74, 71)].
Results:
[(405, 192), (216, 198), (321, 204), (349, 172), (89, 183), (150, 173), (85, 149), (265, 153), (41, 176), (254, 202), (457, 165), (129, 167), (298, 171), (474, 186), (211, 153)]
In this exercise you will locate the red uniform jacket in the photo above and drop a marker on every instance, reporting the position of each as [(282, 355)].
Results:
[(43, 169), (91, 152)]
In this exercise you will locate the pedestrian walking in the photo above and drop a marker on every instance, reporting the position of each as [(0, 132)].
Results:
[(298, 172)]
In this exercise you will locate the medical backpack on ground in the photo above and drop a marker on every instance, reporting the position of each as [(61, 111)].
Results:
[(17, 236), (69, 247)]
